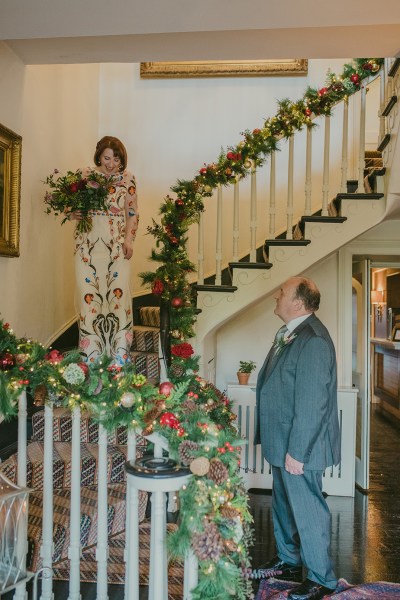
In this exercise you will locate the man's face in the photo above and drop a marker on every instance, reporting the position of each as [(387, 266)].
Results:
[(287, 306)]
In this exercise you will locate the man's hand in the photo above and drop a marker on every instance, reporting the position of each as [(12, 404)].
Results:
[(293, 466)]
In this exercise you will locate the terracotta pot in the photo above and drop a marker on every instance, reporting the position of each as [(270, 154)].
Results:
[(243, 378)]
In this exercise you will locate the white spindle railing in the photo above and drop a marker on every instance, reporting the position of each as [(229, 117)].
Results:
[(46, 551), (361, 155), (308, 181), (324, 158), (200, 251), (20, 590), (74, 551), (253, 213), (289, 209)]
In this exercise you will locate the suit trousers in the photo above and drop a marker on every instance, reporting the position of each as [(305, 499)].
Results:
[(302, 523)]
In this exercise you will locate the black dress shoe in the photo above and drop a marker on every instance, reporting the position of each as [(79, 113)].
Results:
[(278, 569), (309, 590)]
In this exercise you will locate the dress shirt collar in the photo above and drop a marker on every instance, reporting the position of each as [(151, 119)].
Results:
[(296, 322)]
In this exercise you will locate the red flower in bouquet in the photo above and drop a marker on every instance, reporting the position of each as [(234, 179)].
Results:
[(183, 350), (73, 192)]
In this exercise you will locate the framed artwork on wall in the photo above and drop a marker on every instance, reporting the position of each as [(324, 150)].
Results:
[(10, 190), (210, 68)]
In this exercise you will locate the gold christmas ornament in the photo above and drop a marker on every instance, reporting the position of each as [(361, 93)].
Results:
[(200, 466)]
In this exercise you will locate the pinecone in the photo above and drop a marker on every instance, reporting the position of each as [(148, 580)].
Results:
[(228, 512), (177, 370), (154, 412), (40, 395), (186, 451), (218, 471), (189, 406), (208, 544)]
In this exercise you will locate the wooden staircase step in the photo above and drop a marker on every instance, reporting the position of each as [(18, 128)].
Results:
[(215, 288), (145, 339), (147, 363), (250, 265), (150, 316)]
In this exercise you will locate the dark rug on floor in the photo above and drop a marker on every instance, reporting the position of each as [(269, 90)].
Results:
[(273, 589), (116, 564)]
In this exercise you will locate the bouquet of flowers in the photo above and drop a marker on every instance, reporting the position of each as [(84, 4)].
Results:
[(73, 192)]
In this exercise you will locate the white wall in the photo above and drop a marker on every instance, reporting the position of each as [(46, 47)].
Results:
[(249, 336), (170, 127)]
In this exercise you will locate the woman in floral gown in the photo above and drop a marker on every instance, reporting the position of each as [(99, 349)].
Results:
[(102, 258)]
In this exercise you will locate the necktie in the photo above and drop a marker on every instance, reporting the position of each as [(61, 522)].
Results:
[(280, 334)]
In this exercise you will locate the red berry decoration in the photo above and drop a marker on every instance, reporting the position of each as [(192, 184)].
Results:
[(169, 420), (176, 302), (231, 156), (179, 203), (256, 131), (308, 112), (355, 78), (157, 287), (173, 241), (322, 92), (203, 171), (165, 388), (7, 361)]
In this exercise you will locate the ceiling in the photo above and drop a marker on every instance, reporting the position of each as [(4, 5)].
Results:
[(91, 31)]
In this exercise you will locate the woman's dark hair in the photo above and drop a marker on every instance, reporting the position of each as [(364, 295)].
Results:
[(116, 146), (309, 294)]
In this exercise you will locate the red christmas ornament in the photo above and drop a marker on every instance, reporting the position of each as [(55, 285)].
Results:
[(355, 78), (7, 361), (256, 131), (203, 171), (176, 302), (179, 203), (165, 388), (173, 241), (231, 156), (169, 419), (84, 368), (308, 112), (367, 66), (322, 92)]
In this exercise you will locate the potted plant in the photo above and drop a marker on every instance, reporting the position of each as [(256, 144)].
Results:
[(245, 368)]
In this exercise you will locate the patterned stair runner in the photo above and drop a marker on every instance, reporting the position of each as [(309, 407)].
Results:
[(145, 345)]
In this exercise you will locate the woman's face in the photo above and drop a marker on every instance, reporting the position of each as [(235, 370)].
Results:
[(109, 162)]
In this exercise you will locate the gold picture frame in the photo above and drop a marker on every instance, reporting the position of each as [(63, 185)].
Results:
[(210, 68), (10, 191)]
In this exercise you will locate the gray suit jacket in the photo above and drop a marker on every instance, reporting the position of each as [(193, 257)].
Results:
[(297, 400)]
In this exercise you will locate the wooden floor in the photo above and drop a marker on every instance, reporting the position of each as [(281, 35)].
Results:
[(365, 529)]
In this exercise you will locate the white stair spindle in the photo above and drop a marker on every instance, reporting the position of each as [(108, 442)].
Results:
[(382, 104), (191, 575), (345, 147), (235, 257), (289, 210), (200, 251), (20, 589), (218, 246), (253, 213), (325, 176), (272, 196), (102, 527), (74, 550), (131, 552), (361, 150), (308, 185), (46, 549)]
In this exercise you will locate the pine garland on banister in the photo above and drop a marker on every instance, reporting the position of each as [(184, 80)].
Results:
[(170, 280), (195, 418)]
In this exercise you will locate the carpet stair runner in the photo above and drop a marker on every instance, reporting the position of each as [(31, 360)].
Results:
[(116, 564), (145, 345), (116, 457)]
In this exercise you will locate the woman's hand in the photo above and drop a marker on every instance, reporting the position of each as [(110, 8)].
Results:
[(75, 216), (127, 249)]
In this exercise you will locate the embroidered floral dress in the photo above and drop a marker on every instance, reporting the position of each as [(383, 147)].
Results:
[(103, 276)]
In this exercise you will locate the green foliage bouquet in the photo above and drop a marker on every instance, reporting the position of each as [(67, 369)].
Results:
[(74, 192)]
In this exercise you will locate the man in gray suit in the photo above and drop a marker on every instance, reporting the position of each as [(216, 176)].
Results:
[(298, 428)]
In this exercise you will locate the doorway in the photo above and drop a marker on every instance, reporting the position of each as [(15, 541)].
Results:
[(375, 351)]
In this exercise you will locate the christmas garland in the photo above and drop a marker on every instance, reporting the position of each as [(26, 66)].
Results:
[(170, 280), (195, 418)]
